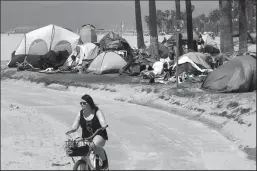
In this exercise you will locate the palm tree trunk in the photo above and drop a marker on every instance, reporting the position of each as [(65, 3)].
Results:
[(226, 25), (189, 25), (249, 12), (178, 15), (221, 28), (140, 36), (242, 26), (153, 30)]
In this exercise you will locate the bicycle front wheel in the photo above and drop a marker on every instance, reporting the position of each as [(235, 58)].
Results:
[(80, 165)]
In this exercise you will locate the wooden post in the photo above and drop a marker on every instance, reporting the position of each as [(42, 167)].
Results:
[(178, 53)]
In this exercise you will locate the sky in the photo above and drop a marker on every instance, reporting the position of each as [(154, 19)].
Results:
[(74, 14)]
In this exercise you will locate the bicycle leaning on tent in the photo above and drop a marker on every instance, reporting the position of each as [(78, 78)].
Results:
[(79, 147)]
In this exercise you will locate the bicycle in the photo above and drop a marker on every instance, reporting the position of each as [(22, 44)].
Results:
[(89, 159)]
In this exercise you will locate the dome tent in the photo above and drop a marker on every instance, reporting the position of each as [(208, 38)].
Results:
[(40, 41), (106, 62), (50, 37), (87, 34)]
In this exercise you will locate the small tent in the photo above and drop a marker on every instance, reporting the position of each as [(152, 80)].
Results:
[(112, 41), (198, 62), (40, 41), (87, 34), (107, 62), (87, 51), (236, 75)]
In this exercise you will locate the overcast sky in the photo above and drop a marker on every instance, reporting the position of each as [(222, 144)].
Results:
[(73, 14)]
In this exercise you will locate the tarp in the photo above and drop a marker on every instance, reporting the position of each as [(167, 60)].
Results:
[(87, 51), (208, 40), (106, 62), (194, 58), (237, 75)]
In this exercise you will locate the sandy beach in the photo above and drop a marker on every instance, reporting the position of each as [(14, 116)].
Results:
[(30, 140)]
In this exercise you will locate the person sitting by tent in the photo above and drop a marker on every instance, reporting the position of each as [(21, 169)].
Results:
[(200, 43)]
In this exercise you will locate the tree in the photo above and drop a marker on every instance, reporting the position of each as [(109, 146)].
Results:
[(242, 26), (167, 15), (153, 30), (226, 26), (221, 28), (140, 36), (189, 25), (147, 21), (214, 17), (178, 14), (250, 12)]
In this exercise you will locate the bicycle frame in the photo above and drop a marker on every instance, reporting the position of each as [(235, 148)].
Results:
[(93, 164)]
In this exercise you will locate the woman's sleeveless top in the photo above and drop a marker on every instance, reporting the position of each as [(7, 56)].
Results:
[(90, 127)]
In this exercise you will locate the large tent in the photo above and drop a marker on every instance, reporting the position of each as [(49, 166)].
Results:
[(107, 62), (236, 75), (40, 41), (50, 37)]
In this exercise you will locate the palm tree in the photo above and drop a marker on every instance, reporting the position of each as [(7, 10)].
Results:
[(153, 30), (140, 36), (189, 25), (178, 15), (226, 26), (167, 15), (242, 26), (249, 12), (221, 28)]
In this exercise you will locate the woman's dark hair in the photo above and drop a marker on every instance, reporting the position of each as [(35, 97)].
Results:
[(90, 101)]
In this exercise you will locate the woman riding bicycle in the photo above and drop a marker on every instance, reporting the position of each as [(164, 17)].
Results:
[(90, 118)]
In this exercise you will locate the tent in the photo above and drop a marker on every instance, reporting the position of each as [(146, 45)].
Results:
[(107, 62), (112, 41), (87, 51), (87, 34), (197, 61), (51, 37), (209, 40), (40, 41), (236, 75)]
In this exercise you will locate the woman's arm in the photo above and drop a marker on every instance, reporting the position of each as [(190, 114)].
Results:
[(75, 125), (101, 118)]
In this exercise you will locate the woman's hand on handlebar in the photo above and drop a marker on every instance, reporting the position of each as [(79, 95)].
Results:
[(69, 132), (103, 128)]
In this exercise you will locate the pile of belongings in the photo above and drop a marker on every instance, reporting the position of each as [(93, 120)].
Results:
[(193, 66), (81, 57), (25, 66), (140, 62)]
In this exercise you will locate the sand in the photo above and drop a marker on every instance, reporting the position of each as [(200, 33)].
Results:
[(30, 140)]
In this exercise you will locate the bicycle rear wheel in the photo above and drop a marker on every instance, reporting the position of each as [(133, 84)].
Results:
[(81, 165)]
